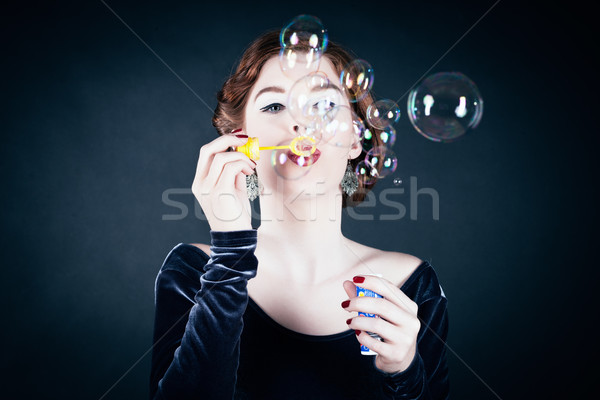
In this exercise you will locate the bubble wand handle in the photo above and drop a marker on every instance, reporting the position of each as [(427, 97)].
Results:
[(274, 147), (252, 150)]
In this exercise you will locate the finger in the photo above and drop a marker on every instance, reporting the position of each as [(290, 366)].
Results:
[(208, 151), (240, 182), (374, 344), (389, 332), (383, 308), (389, 291), (350, 288), (219, 162), (230, 171)]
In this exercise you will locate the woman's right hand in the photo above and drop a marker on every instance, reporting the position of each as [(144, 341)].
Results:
[(220, 184)]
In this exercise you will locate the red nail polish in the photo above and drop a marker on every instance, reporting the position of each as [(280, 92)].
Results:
[(241, 136), (237, 130), (357, 332), (253, 161), (358, 279), (345, 303), (348, 321)]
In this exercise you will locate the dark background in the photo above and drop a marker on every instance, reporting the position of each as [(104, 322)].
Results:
[(95, 130)]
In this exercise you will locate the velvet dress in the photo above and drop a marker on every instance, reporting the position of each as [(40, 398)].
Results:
[(212, 341)]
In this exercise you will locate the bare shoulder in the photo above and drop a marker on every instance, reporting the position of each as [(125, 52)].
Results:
[(204, 247), (395, 266)]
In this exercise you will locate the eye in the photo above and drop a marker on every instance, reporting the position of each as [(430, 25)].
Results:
[(273, 108), (324, 105)]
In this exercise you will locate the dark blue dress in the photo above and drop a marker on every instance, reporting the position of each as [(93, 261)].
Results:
[(211, 341)]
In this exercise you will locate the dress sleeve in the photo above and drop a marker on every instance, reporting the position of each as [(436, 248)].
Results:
[(427, 376), (199, 358)]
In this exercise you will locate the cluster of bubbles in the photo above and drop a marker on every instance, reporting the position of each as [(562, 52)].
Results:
[(442, 107)]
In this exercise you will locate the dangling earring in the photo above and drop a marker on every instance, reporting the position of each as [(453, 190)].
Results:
[(349, 181), (252, 186)]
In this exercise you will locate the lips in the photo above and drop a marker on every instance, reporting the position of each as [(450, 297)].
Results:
[(304, 161)]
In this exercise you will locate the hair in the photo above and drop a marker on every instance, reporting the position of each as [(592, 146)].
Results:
[(233, 96)]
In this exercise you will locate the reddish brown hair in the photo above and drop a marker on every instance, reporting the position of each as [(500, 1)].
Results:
[(233, 96)]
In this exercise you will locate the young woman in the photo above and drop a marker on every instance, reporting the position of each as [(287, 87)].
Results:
[(272, 312)]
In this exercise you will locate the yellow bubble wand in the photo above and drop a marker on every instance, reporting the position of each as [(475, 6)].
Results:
[(252, 150)]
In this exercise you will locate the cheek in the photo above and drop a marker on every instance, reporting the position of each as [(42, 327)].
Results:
[(248, 121)]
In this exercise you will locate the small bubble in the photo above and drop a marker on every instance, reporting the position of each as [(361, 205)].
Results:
[(357, 79), (382, 160), (303, 41), (382, 113)]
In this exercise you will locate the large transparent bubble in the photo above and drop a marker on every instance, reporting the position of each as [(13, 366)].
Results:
[(311, 98), (303, 41), (357, 79), (444, 106)]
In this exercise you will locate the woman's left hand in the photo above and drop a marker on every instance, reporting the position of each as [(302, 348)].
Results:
[(397, 324)]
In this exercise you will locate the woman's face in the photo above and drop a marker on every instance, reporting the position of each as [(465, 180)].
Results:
[(266, 117)]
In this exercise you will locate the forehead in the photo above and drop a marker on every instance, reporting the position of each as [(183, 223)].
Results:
[(272, 75)]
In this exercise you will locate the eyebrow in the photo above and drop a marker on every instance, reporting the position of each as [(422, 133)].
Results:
[(275, 89), (278, 89), (328, 86)]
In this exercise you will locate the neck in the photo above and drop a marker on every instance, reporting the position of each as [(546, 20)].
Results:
[(296, 232)]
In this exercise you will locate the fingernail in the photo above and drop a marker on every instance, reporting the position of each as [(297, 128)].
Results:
[(237, 130), (253, 161), (358, 279), (345, 303), (357, 332), (241, 136), (348, 321)]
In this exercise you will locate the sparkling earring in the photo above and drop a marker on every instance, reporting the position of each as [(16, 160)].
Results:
[(252, 186), (349, 181)]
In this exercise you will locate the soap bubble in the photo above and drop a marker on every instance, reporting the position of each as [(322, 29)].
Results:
[(310, 98), (367, 141), (365, 173), (359, 127), (444, 106), (303, 41), (383, 113), (387, 136), (295, 63), (304, 29), (357, 79), (341, 127), (397, 181), (382, 160), (288, 165)]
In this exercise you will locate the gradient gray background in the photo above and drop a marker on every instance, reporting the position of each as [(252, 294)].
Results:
[(95, 128)]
